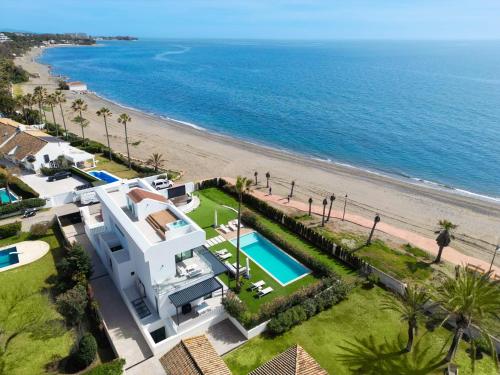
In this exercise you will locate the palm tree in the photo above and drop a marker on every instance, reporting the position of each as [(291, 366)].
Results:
[(255, 175), (376, 220), (291, 191), (52, 101), (469, 298), (124, 119), (156, 160), (268, 176), (310, 204), (332, 198), (39, 94), (242, 186), (444, 237), (410, 307), (60, 99), (80, 106), (325, 202), (27, 101), (105, 113)]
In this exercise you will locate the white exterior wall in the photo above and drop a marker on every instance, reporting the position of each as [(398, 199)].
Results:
[(53, 149)]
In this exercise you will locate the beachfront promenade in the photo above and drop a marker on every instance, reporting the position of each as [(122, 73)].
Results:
[(428, 244)]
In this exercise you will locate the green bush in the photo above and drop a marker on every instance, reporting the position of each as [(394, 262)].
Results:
[(75, 267), (9, 230), (86, 352), (20, 188), (83, 175), (111, 368), (234, 306), (285, 320), (72, 303), (20, 205)]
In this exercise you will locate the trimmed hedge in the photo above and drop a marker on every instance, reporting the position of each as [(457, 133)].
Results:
[(284, 321), (83, 175), (20, 205), (111, 368), (9, 230)]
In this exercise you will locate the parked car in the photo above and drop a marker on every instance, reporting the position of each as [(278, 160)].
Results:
[(162, 183), (59, 176), (29, 212)]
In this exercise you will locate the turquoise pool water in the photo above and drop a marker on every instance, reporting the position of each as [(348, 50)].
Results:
[(177, 224), (8, 259), (281, 266), (104, 176), (4, 196)]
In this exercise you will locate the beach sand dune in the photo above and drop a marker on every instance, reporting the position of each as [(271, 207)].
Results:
[(201, 154)]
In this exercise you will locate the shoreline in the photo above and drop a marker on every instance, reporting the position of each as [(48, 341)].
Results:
[(412, 180), (401, 200)]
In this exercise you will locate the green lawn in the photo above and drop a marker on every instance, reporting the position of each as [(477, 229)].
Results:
[(408, 263), (117, 169), (30, 352), (357, 337)]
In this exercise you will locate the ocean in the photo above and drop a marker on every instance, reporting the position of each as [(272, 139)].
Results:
[(426, 111)]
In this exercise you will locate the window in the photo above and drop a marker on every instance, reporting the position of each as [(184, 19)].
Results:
[(183, 256), (46, 158)]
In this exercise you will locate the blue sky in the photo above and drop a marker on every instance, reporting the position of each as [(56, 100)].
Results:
[(273, 19)]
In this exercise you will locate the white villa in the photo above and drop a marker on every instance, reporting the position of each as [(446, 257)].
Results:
[(33, 149), (154, 253), (77, 86), (4, 38)]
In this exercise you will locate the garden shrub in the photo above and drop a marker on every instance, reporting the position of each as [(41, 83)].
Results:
[(85, 353), (9, 230), (234, 306), (114, 367), (75, 267), (295, 315), (40, 229), (19, 188), (72, 303), (83, 175), (20, 205)]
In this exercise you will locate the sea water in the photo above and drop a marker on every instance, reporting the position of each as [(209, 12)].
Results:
[(428, 111)]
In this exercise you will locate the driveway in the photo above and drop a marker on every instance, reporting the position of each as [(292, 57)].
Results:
[(50, 189)]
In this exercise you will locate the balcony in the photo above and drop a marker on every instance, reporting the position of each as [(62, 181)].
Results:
[(92, 218)]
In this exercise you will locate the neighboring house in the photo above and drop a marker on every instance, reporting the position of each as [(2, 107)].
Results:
[(77, 86), (194, 356), (4, 38), (293, 361), (33, 149), (154, 253)]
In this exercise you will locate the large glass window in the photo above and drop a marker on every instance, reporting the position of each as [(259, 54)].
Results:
[(183, 256)]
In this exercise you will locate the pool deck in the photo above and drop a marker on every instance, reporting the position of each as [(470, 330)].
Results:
[(30, 251)]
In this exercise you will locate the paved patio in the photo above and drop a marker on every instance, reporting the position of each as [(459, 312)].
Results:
[(225, 337), (49, 189)]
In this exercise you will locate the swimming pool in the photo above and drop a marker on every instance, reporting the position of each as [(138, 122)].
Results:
[(177, 224), (278, 264), (7, 258), (104, 176), (4, 196)]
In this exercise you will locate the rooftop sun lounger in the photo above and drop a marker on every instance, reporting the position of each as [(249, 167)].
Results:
[(258, 284), (264, 292)]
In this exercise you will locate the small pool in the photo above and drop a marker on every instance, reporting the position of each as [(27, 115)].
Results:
[(4, 196), (278, 264), (104, 176), (177, 224), (7, 258)]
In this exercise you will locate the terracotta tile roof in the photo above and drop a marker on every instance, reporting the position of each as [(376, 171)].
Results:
[(22, 145), (7, 129), (137, 195), (194, 356), (293, 361)]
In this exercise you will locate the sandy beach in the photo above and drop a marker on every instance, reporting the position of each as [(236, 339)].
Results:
[(200, 154)]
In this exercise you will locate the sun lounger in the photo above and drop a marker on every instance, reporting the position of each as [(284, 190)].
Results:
[(235, 223), (264, 292), (224, 229), (221, 252), (232, 227), (193, 270), (258, 284), (231, 268), (225, 256), (181, 271)]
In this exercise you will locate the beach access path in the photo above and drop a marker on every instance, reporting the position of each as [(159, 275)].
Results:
[(449, 254)]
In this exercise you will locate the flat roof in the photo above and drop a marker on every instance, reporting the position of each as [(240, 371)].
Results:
[(194, 292)]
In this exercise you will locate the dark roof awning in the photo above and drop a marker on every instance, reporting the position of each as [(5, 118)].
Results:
[(217, 266), (194, 292)]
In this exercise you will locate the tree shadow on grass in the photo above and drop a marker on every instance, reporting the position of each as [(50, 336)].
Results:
[(373, 357)]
